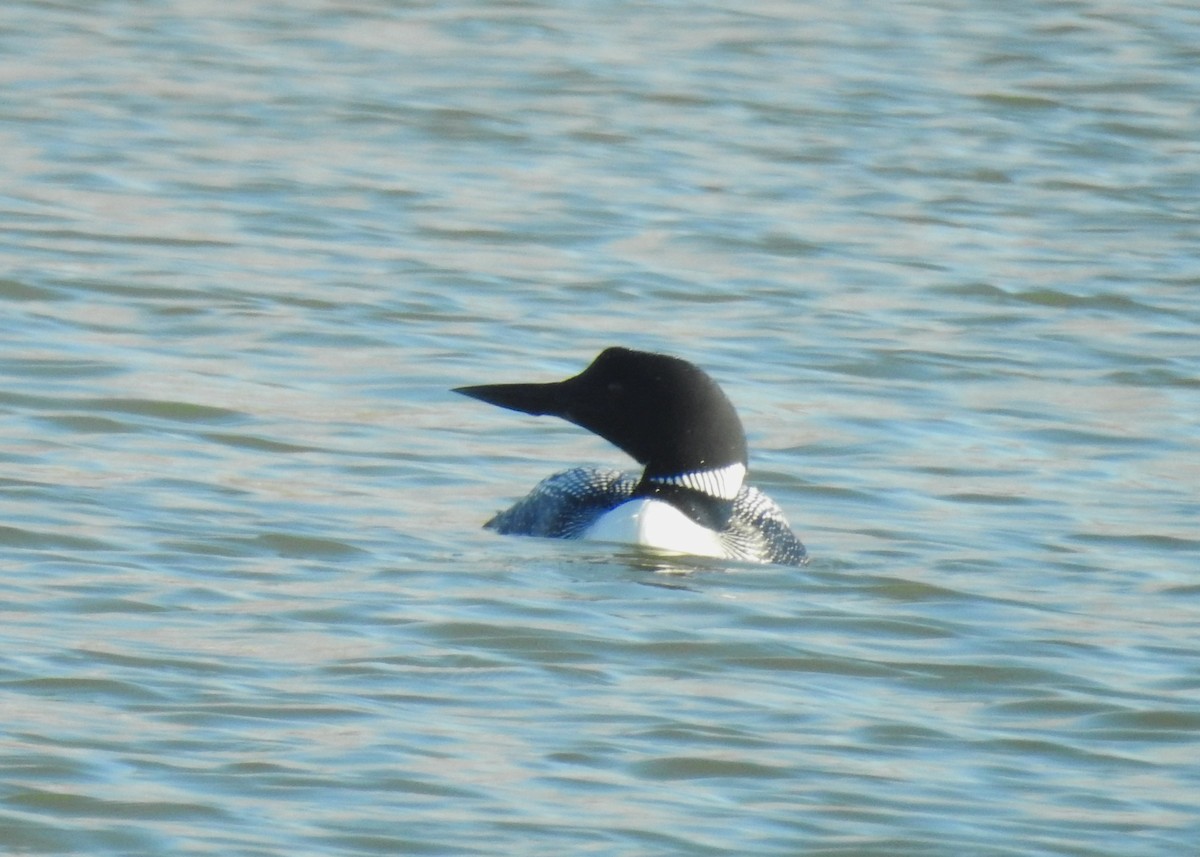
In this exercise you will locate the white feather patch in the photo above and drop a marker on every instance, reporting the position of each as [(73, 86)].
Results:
[(723, 482)]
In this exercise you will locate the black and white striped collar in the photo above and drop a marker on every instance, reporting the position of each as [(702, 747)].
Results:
[(722, 482)]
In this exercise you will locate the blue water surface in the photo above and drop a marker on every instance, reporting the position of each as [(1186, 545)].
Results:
[(942, 256)]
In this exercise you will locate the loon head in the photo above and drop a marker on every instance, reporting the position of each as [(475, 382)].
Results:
[(665, 412)]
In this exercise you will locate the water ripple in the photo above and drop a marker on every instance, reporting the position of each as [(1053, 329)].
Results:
[(943, 261)]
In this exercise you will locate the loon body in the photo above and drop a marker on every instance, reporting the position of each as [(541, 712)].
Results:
[(673, 419)]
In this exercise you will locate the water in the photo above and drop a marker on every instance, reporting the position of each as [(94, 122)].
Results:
[(943, 256)]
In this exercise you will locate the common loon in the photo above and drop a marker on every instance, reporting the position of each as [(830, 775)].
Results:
[(672, 418)]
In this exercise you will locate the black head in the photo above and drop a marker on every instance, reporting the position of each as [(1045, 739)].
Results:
[(665, 412)]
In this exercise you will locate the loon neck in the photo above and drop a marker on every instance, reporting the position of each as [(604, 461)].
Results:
[(705, 496), (723, 483)]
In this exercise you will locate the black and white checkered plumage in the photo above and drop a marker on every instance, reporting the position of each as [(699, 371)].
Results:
[(567, 504)]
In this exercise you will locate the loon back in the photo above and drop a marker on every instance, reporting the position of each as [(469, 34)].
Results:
[(671, 417), (568, 505)]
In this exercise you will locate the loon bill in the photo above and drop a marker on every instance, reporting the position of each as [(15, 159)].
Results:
[(673, 419)]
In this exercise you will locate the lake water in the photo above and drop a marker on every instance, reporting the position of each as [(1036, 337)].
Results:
[(944, 257)]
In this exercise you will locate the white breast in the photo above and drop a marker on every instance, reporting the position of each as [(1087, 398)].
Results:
[(655, 524)]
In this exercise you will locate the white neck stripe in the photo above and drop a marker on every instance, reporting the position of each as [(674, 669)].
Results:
[(724, 482)]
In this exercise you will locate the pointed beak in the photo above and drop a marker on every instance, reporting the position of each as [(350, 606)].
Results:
[(536, 399)]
